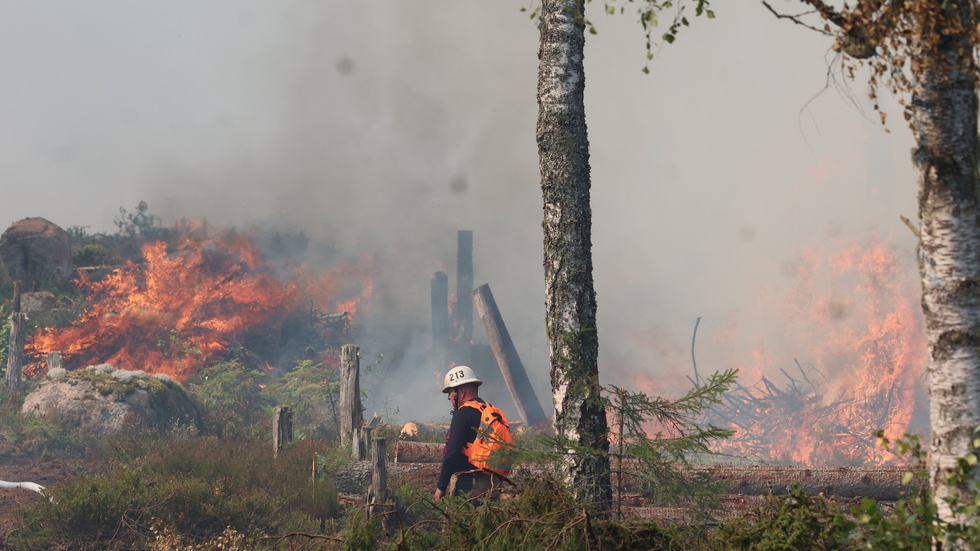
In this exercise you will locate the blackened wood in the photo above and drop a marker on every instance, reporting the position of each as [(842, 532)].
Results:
[(440, 316), (282, 428), (528, 406), (351, 412), (464, 285)]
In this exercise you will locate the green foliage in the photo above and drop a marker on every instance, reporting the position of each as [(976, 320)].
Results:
[(138, 223), (313, 391), (678, 436), (795, 521), (196, 488), (36, 436), (650, 16), (232, 399), (92, 254)]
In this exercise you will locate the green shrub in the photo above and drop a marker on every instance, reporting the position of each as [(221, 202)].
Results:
[(796, 521), (232, 400), (195, 489)]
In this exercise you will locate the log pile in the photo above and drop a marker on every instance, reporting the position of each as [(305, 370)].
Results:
[(880, 483)]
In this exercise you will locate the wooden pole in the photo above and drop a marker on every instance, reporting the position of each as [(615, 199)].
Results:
[(440, 317), (282, 428), (510, 364), (464, 285), (351, 412), (18, 336)]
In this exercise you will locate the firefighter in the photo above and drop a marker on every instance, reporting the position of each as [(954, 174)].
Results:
[(462, 386)]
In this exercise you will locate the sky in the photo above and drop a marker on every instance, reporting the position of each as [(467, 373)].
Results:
[(386, 127)]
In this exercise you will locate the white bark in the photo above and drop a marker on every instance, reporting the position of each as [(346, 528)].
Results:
[(945, 126), (563, 149)]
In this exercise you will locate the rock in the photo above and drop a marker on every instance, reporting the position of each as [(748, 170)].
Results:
[(103, 400), (36, 252)]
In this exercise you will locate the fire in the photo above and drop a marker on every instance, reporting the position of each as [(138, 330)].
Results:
[(184, 307), (854, 317)]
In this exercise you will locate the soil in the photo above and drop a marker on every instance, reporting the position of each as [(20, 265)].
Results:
[(16, 466)]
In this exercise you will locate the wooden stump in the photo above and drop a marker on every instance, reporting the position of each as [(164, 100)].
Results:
[(282, 428), (351, 412), (378, 493), (53, 359)]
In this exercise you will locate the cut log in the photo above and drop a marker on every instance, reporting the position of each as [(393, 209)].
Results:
[(528, 406), (422, 432), (884, 483), (418, 452)]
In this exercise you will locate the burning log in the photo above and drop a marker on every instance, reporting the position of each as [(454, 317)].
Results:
[(464, 285), (18, 334), (510, 363), (351, 412), (418, 452)]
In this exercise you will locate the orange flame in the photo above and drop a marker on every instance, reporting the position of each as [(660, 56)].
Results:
[(183, 308), (854, 316)]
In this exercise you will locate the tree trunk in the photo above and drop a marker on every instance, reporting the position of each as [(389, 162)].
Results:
[(945, 128), (570, 319)]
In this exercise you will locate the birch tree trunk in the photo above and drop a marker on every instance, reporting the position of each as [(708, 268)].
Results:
[(945, 127), (563, 149)]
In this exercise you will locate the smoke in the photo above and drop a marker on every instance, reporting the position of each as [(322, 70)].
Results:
[(385, 127)]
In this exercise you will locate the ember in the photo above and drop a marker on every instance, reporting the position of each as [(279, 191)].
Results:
[(184, 307)]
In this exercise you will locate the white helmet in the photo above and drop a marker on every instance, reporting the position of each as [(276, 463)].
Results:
[(458, 376)]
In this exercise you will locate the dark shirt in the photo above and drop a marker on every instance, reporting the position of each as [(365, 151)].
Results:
[(462, 431)]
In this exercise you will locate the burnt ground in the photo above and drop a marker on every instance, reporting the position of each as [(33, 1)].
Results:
[(16, 466)]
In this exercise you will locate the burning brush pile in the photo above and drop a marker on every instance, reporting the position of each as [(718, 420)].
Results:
[(203, 296), (863, 332)]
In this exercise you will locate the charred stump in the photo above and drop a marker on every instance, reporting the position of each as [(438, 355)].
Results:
[(282, 428), (351, 412)]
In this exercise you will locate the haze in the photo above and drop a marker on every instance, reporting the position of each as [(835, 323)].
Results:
[(386, 126)]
